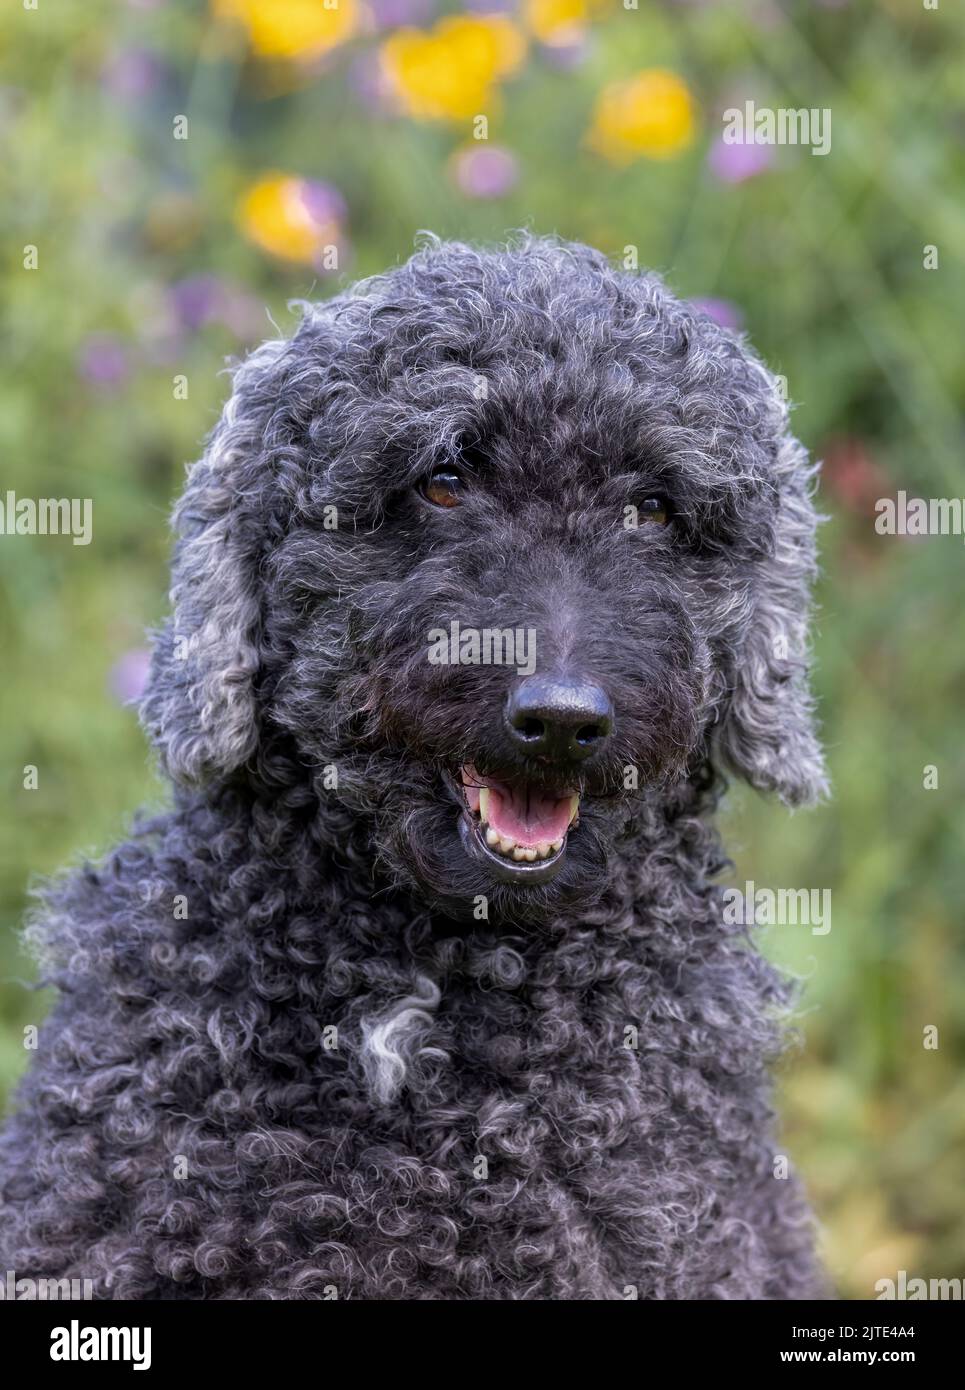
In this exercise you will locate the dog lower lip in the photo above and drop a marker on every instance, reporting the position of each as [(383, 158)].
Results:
[(506, 870)]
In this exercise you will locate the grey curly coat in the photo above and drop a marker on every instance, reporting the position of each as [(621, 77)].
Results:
[(308, 1041)]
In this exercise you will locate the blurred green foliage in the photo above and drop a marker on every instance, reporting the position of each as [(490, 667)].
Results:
[(145, 275)]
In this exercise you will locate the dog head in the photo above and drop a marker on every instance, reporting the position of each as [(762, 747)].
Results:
[(498, 546)]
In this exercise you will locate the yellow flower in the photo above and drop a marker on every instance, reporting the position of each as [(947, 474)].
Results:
[(292, 28), (561, 21), (449, 73), (278, 215), (650, 114)]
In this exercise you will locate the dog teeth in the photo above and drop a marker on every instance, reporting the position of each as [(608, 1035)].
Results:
[(501, 842), (506, 844), (522, 854), (574, 807)]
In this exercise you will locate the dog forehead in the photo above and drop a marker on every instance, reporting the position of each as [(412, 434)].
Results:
[(462, 306), (551, 365)]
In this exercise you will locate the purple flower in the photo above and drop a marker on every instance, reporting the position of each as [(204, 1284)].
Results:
[(128, 675), (485, 171), (133, 74), (323, 202), (205, 298), (567, 57), (103, 360), (735, 163), (197, 299), (393, 14), (722, 311), (370, 83)]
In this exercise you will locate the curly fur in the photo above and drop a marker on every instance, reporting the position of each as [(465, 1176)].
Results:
[(287, 1060)]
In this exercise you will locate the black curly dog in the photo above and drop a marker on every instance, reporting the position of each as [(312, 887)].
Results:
[(423, 989)]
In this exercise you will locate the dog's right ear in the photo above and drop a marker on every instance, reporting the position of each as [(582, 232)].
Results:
[(199, 706), (767, 733)]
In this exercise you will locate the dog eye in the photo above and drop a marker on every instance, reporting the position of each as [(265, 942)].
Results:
[(655, 510), (443, 488)]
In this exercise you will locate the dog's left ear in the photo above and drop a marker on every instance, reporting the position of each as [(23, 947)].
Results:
[(199, 705), (767, 731)]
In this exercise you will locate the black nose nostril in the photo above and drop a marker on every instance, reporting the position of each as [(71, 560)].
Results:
[(530, 728), (558, 718)]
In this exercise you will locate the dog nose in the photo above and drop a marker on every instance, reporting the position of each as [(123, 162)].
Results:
[(556, 718)]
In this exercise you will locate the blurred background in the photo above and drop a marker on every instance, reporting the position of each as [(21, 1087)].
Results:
[(185, 169)]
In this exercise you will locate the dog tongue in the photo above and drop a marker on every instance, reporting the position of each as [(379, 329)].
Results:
[(518, 812), (526, 816)]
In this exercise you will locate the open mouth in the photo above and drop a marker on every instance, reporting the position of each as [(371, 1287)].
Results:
[(515, 826)]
